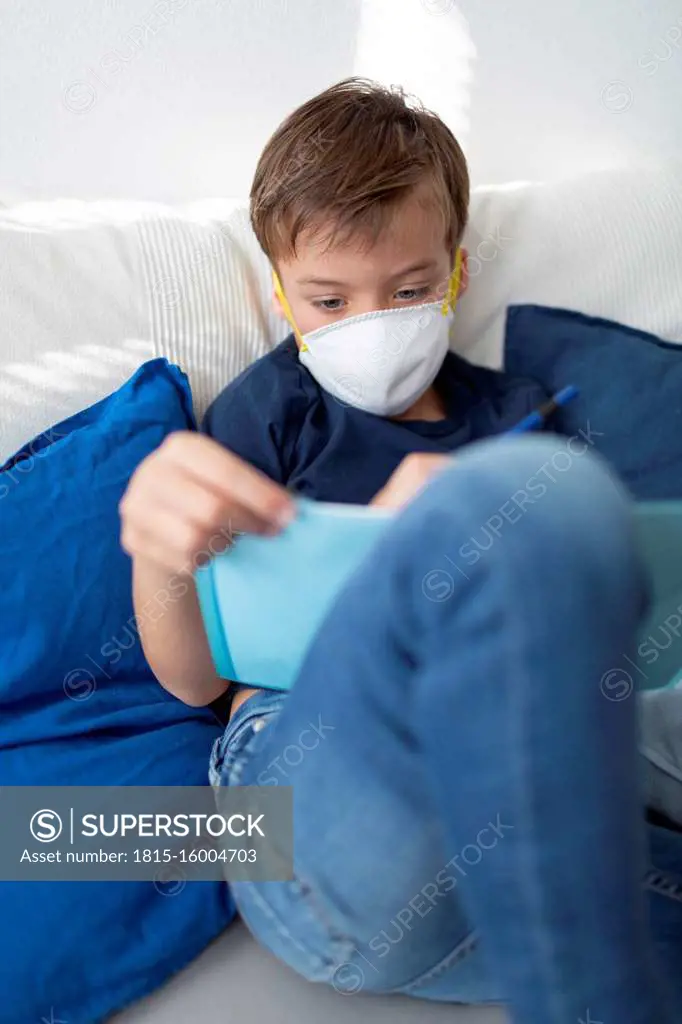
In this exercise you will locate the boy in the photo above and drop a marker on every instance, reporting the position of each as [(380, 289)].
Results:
[(468, 826)]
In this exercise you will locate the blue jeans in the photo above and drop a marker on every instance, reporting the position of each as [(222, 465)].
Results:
[(468, 795)]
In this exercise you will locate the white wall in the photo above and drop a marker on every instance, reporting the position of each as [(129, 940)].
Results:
[(173, 99), (574, 83)]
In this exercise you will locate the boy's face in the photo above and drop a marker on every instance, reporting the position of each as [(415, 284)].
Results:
[(409, 264)]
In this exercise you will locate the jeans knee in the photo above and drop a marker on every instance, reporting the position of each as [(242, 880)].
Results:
[(538, 500)]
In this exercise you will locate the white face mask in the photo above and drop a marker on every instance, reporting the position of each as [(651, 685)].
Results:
[(383, 361)]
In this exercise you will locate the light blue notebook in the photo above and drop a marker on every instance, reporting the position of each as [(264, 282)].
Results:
[(264, 599)]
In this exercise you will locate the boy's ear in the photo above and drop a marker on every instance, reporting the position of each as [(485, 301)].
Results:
[(277, 306)]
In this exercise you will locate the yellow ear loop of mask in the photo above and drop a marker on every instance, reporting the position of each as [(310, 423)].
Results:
[(279, 292), (452, 294)]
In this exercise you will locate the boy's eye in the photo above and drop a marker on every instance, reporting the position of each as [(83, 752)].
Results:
[(330, 305), (412, 294)]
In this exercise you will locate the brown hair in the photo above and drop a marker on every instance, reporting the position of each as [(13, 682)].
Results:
[(345, 159)]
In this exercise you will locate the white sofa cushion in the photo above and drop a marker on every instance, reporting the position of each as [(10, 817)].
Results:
[(608, 244), (89, 291)]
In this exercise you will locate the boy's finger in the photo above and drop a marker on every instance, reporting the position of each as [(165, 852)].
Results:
[(179, 546), (235, 480), (189, 499)]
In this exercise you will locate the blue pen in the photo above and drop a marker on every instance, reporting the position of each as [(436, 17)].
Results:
[(536, 419)]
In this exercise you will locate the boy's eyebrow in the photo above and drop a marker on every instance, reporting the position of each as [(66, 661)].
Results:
[(411, 269), (320, 280), (414, 267)]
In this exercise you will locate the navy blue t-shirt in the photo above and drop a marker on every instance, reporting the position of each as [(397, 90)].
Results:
[(277, 417)]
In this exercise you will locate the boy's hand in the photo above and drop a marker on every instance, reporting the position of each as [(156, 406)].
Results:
[(186, 500), (411, 476)]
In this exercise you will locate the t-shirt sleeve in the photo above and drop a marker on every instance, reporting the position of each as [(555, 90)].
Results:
[(258, 417), (517, 397), (530, 393), (498, 400)]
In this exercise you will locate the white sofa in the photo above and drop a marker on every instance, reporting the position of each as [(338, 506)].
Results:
[(88, 291)]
